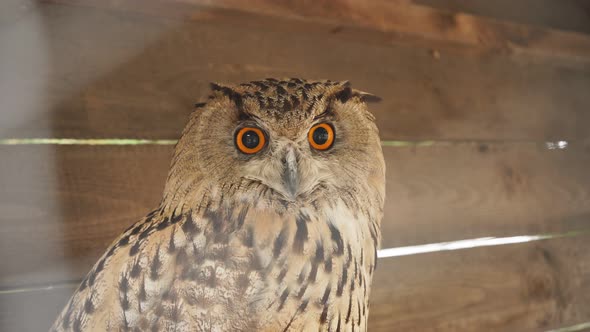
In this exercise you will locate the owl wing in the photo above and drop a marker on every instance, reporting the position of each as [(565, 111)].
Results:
[(162, 274)]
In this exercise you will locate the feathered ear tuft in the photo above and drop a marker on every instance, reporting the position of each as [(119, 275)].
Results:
[(227, 91), (346, 93), (366, 97)]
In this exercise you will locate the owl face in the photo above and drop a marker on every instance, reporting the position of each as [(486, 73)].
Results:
[(288, 139)]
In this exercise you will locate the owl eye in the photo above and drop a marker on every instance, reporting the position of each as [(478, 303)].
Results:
[(250, 140), (321, 136)]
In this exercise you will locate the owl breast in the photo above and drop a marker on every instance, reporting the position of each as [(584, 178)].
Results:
[(309, 267)]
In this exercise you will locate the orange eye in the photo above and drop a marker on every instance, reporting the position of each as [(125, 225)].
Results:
[(250, 140), (321, 136)]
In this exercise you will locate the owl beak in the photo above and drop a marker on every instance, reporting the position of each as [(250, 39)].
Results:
[(290, 174)]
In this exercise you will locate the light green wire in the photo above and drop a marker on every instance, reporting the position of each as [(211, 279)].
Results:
[(78, 141), (131, 141)]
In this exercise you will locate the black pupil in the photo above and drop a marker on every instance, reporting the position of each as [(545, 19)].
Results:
[(320, 135), (250, 139)]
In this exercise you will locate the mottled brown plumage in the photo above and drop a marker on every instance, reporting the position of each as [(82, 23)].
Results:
[(283, 239)]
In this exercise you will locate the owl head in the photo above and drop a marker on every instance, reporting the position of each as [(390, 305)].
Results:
[(278, 142)]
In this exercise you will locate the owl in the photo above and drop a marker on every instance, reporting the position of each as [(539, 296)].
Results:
[(269, 221)]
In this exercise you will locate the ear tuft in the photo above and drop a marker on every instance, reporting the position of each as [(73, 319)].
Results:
[(347, 93), (227, 91), (221, 88), (344, 95), (367, 97)]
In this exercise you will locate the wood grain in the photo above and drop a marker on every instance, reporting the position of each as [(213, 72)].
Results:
[(462, 191), (68, 76), (528, 287), (62, 205), (557, 14), (399, 17), (525, 287)]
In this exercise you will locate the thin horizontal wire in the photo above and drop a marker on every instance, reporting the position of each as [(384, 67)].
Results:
[(68, 284), (385, 143), (130, 141), (383, 253), (84, 141), (573, 328), (470, 243)]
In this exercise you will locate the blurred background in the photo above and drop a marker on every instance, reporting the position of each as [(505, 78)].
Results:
[(484, 120)]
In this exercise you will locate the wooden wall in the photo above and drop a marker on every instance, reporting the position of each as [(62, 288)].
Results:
[(486, 93), (573, 15)]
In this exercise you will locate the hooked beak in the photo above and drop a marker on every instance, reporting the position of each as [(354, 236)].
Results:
[(290, 175)]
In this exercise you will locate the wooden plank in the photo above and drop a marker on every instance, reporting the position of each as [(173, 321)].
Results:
[(463, 191), (81, 82), (62, 205), (557, 14), (400, 17), (526, 287)]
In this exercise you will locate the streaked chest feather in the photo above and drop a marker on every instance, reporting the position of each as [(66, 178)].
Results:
[(244, 268), (318, 268)]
